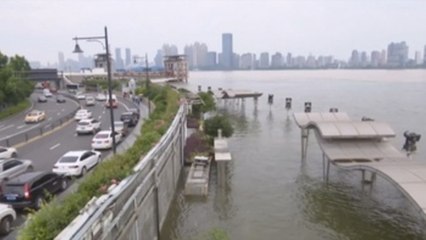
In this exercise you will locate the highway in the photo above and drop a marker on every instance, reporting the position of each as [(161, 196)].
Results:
[(45, 151), (15, 125)]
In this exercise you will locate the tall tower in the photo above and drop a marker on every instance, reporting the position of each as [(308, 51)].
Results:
[(227, 52), (128, 57), (118, 60)]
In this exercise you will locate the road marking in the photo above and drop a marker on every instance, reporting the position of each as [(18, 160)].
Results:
[(58, 113), (55, 146), (22, 126), (47, 126), (75, 134), (49, 119), (1, 125), (10, 126), (124, 105), (103, 112), (100, 116), (63, 110)]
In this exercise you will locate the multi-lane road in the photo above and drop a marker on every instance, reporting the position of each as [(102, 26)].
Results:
[(46, 150)]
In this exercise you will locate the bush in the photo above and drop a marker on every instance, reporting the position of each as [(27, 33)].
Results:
[(211, 126), (52, 218), (195, 144), (12, 110)]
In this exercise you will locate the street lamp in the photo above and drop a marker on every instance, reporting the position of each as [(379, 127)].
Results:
[(77, 49)]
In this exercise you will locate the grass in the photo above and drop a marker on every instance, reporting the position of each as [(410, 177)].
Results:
[(12, 110)]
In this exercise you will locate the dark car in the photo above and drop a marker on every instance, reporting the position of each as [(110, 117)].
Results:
[(32, 188), (130, 118), (41, 98), (134, 110), (60, 99)]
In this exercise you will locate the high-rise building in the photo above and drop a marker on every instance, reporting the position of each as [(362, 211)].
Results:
[(61, 61), (246, 61), (397, 54), (118, 59), (375, 59), (289, 61), (364, 59), (355, 60), (227, 51), (128, 57), (418, 58), (264, 60), (211, 60), (277, 60)]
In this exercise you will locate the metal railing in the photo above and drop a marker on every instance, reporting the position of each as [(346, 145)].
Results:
[(33, 132), (137, 207)]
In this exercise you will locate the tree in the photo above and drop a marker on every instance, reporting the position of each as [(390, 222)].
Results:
[(211, 126)]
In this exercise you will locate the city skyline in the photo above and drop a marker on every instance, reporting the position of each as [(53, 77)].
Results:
[(39, 30)]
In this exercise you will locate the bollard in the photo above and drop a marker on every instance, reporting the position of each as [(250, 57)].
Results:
[(334, 110), (209, 89), (199, 88), (288, 103), (271, 98), (308, 107)]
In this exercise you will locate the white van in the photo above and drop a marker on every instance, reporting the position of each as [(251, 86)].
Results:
[(47, 93)]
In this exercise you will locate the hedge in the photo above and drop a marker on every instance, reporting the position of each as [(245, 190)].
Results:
[(12, 110), (52, 218)]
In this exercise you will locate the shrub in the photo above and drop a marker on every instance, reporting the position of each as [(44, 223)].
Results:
[(211, 126)]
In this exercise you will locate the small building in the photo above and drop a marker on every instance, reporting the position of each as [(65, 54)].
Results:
[(176, 66)]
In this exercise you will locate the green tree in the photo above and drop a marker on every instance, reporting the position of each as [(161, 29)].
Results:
[(211, 126)]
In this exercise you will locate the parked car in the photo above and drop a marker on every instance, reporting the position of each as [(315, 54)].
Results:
[(32, 188), (135, 111), (103, 139), (77, 163), (35, 116), (41, 99), (90, 101), (82, 114), (130, 118), (100, 97), (8, 152), (121, 127), (12, 167), (60, 99), (7, 217), (88, 126)]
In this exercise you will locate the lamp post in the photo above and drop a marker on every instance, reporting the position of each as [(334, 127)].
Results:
[(77, 49)]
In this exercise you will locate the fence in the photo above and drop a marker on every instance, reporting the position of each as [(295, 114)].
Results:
[(138, 206), (37, 131)]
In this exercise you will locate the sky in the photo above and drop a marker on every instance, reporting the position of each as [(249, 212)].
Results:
[(39, 29)]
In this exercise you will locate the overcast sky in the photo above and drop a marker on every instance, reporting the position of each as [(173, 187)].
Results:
[(39, 29)]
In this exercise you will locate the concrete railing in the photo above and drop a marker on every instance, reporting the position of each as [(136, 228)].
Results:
[(137, 207)]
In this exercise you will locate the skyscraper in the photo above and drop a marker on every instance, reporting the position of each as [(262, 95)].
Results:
[(397, 54), (128, 57), (118, 60), (227, 51)]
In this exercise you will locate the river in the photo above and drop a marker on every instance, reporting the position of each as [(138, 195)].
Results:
[(270, 193)]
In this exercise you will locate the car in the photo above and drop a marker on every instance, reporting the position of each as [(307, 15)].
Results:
[(41, 99), (89, 125), (35, 116), (135, 111), (47, 93), (8, 152), (30, 189), (7, 217), (90, 101), (77, 163), (113, 103), (12, 167), (121, 127), (100, 97), (80, 96), (130, 118), (60, 99), (103, 139), (82, 114)]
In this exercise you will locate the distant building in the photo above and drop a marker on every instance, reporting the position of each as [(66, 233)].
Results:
[(355, 60), (424, 56), (118, 59), (277, 60), (128, 57), (289, 61), (227, 51), (235, 60), (418, 58), (211, 60), (61, 61), (246, 61), (397, 55), (364, 59), (264, 60), (375, 59)]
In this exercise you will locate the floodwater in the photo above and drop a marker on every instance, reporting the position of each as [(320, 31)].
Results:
[(270, 193)]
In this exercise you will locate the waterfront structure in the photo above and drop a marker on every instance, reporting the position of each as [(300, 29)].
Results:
[(227, 51), (397, 55), (176, 67)]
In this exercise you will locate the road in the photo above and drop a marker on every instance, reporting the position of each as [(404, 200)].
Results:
[(44, 152), (54, 111)]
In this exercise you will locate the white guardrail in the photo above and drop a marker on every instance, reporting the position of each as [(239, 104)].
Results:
[(137, 206)]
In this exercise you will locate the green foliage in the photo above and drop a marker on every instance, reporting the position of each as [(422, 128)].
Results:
[(93, 82), (52, 218), (208, 100), (14, 87), (213, 234), (15, 109), (211, 126)]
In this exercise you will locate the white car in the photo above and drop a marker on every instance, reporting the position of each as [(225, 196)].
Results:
[(7, 217), (76, 163), (100, 97), (90, 101), (12, 167), (82, 114), (88, 126), (47, 93), (6, 152), (121, 127), (103, 139), (80, 96)]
